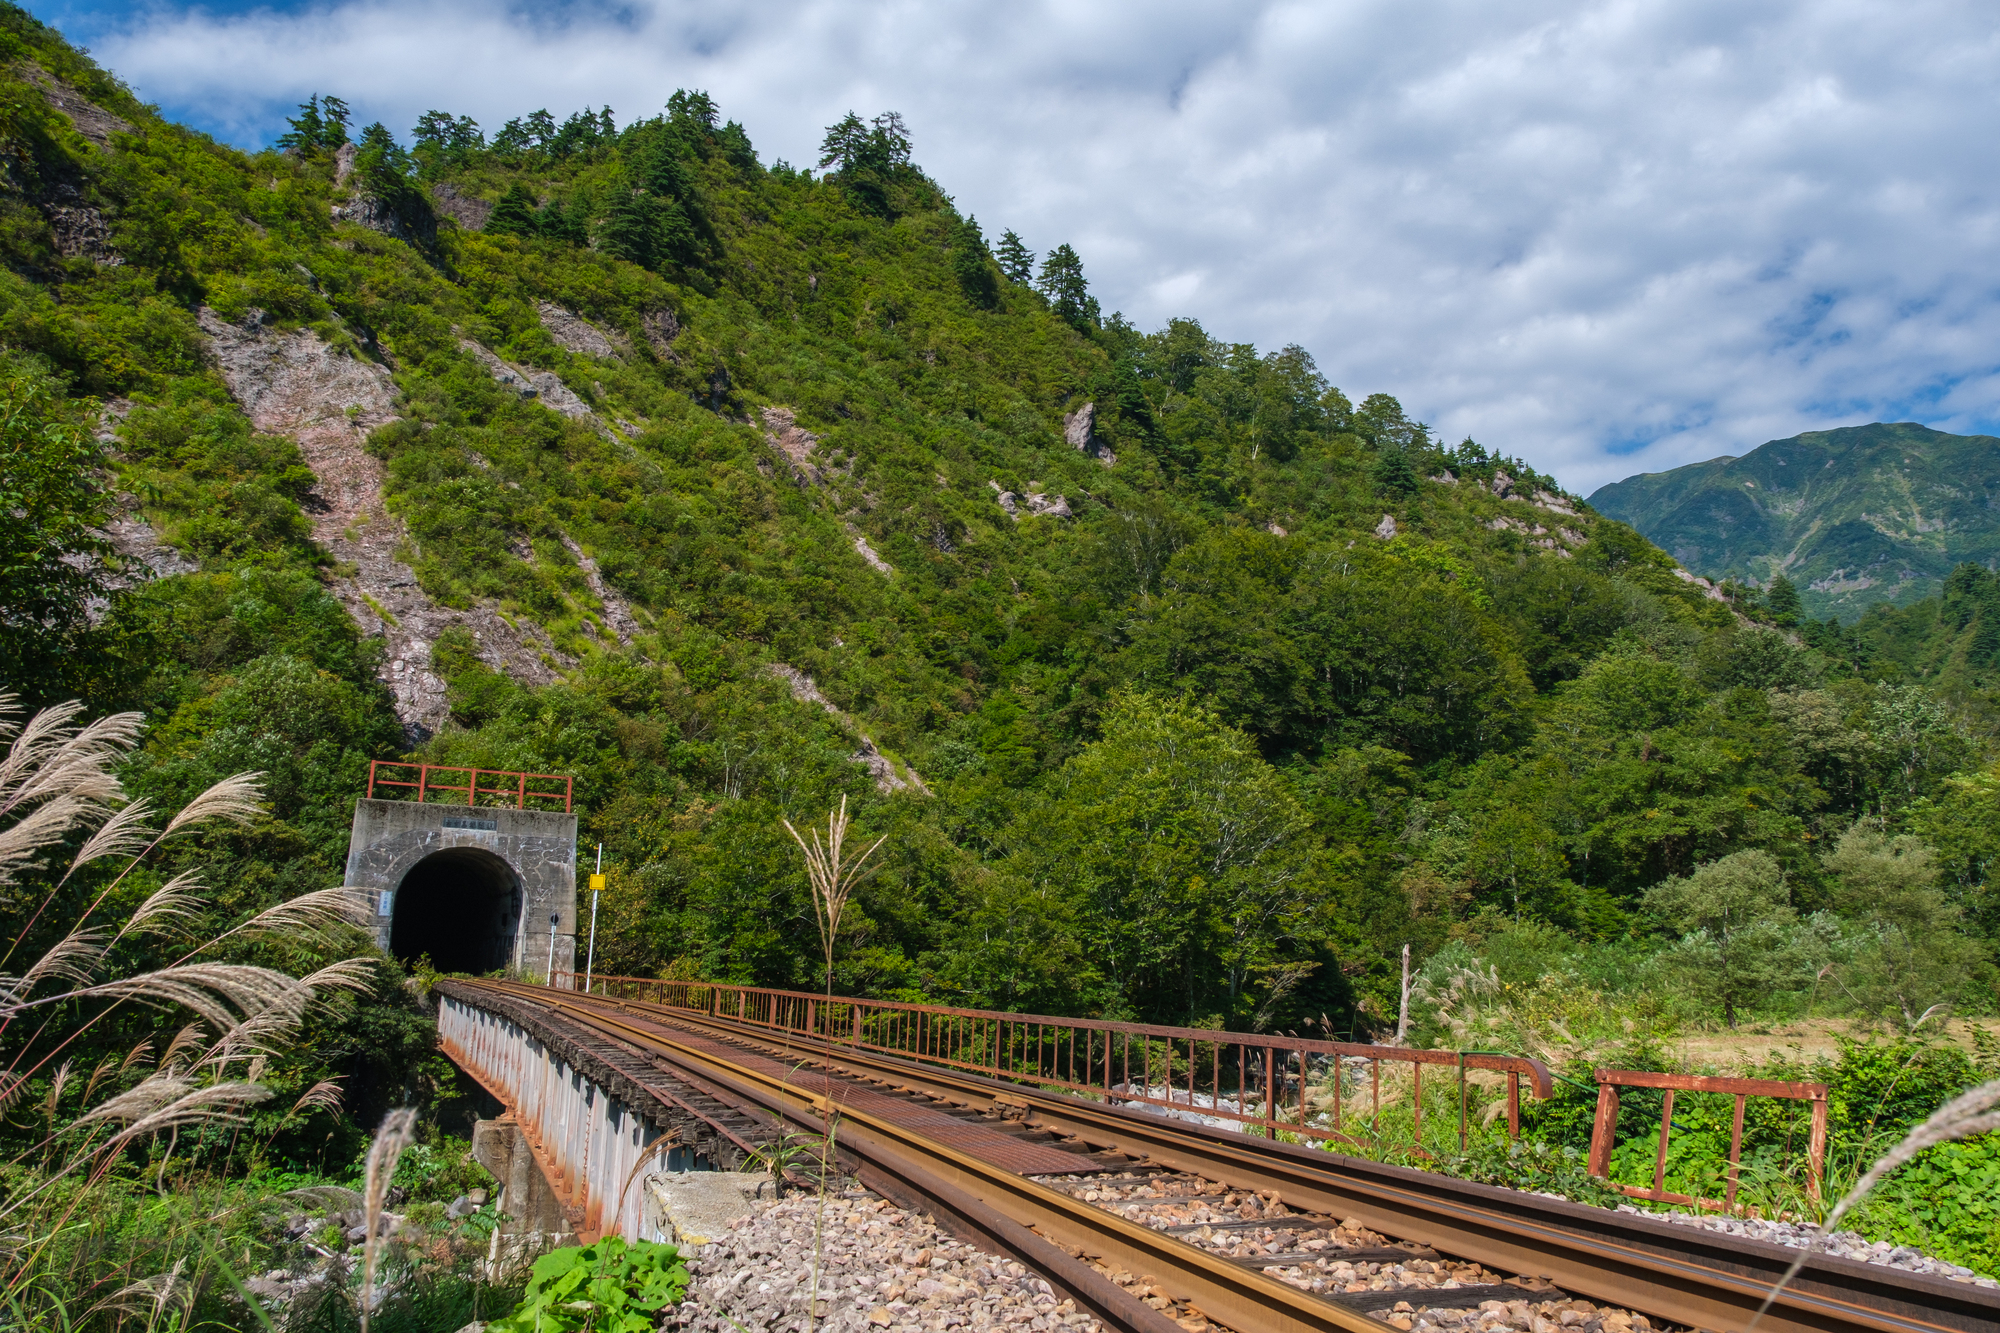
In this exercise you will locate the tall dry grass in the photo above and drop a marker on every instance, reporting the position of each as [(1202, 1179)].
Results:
[(832, 876), (62, 978)]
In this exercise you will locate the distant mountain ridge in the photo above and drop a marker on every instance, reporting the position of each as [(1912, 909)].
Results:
[(1854, 517)]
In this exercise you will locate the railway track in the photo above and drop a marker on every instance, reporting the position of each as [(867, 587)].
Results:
[(1201, 1223)]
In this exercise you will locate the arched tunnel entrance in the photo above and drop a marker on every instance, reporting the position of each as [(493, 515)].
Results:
[(462, 907)]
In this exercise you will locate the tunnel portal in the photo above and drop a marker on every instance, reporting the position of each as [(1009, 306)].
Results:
[(462, 883), (461, 908)]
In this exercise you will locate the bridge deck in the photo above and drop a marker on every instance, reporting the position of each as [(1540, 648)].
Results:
[(975, 1137)]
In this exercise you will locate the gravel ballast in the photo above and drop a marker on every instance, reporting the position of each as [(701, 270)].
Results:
[(1841, 1244), (879, 1267)]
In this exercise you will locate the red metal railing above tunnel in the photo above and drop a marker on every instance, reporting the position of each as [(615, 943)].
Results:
[(1276, 1084), (488, 786)]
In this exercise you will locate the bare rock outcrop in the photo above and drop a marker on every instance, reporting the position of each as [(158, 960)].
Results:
[(468, 211), (617, 611), (81, 232), (1386, 529), (795, 444), (1035, 503), (545, 385), (867, 553), (92, 121), (1708, 589), (295, 385), (573, 333), (887, 779), (1080, 431), (662, 327), (379, 215)]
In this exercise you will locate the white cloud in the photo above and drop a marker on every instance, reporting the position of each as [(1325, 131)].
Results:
[(1607, 236)]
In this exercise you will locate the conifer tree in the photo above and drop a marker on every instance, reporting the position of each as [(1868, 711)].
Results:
[(320, 125), (514, 215), (631, 231), (1783, 602), (974, 270), (1395, 477), (1069, 295), (1017, 261)]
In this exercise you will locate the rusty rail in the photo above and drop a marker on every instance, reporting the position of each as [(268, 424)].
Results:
[(492, 794), (1604, 1131), (1275, 1085)]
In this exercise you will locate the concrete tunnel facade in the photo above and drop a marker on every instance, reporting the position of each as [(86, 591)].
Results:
[(472, 888)]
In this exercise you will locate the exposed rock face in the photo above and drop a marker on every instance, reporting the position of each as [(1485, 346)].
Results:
[(91, 121), (81, 232), (574, 333), (144, 555), (1545, 500), (867, 552), (662, 327), (886, 778), (468, 211), (1080, 430), (1708, 590), (1048, 506), (1386, 529), (617, 611), (293, 384), (794, 443), (343, 162), (543, 384), (1502, 485), (376, 215)]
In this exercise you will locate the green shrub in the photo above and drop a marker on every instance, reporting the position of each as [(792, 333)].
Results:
[(609, 1287)]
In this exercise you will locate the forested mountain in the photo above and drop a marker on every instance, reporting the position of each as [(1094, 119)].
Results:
[(1854, 518), (1186, 686)]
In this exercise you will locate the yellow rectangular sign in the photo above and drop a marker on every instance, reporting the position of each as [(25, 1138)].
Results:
[(597, 883)]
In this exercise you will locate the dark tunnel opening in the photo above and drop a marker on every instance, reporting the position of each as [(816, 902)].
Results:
[(460, 906)]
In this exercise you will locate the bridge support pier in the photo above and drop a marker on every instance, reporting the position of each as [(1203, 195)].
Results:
[(525, 1193)]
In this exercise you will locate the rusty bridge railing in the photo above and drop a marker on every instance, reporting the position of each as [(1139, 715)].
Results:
[(1273, 1084), (1604, 1132), (470, 786)]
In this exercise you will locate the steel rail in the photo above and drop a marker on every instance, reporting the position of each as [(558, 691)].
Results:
[(1682, 1274), (1245, 1300)]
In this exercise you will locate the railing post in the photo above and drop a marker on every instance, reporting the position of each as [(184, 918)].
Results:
[(423, 781), (1603, 1129), (1817, 1152), (1660, 1157), (1735, 1151), (521, 791)]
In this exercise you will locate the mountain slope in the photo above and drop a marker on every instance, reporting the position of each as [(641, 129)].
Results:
[(1853, 517), (737, 490)]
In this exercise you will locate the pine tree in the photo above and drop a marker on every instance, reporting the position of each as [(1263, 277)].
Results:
[(514, 215), (1782, 601), (973, 268), (1069, 294), (631, 231), (321, 124), (566, 221), (1017, 261), (663, 173), (1395, 477)]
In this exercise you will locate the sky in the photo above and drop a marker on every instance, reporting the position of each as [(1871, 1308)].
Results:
[(1609, 237)]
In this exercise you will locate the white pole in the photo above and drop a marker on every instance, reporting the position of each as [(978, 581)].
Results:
[(549, 977), (590, 959)]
